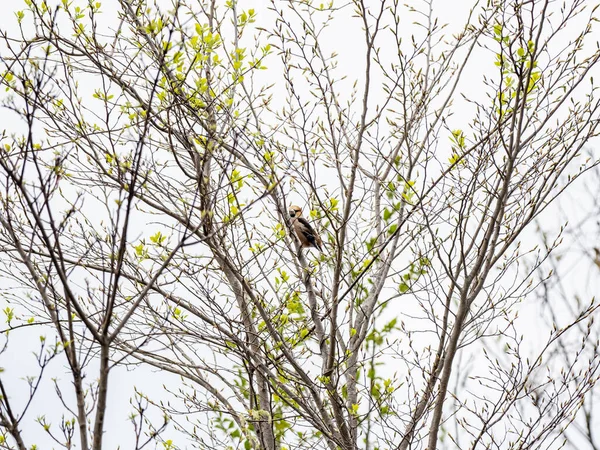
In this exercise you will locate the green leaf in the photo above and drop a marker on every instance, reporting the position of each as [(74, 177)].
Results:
[(371, 243), (390, 325), (333, 203), (139, 249), (10, 314), (158, 238), (387, 214), (371, 373)]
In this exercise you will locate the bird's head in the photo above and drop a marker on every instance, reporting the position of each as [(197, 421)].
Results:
[(295, 211)]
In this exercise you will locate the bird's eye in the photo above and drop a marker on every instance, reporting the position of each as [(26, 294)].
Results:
[(292, 213)]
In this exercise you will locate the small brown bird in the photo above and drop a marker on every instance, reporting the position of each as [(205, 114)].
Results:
[(307, 236)]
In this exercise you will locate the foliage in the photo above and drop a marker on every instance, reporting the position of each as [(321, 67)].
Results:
[(143, 220)]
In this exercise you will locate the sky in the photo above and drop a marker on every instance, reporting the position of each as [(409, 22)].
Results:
[(341, 38)]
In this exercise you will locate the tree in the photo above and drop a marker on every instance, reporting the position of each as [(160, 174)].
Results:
[(144, 220), (561, 298)]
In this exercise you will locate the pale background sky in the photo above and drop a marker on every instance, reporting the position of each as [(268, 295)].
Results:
[(18, 362)]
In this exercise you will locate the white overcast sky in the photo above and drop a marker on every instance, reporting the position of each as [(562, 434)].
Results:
[(344, 39)]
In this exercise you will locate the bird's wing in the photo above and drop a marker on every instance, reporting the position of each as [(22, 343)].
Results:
[(311, 236), (305, 226)]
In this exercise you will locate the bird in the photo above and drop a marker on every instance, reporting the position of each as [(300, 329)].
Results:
[(306, 234)]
